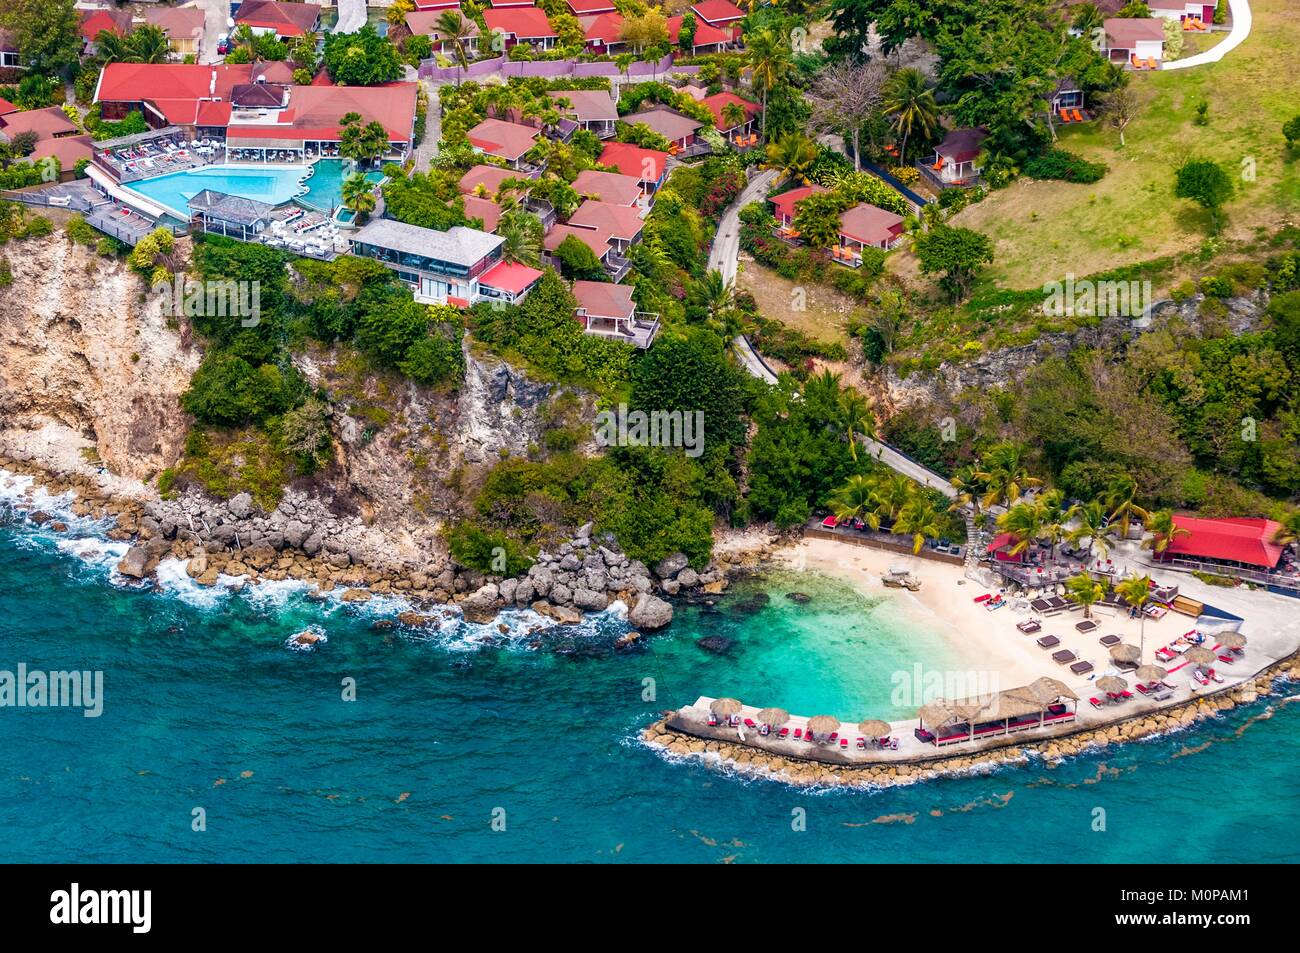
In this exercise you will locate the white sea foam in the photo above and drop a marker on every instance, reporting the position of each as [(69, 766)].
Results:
[(293, 645)]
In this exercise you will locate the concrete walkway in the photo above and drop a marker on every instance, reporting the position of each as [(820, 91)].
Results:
[(1241, 24), (352, 16), (897, 462)]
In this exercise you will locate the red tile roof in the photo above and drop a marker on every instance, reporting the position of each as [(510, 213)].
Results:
[(718, 101), (510, 277), (1124, 33), (600, 299), (161, 82), (705, 35), (619, 221), (605, 28), (1238, 540), (93, 22), (608, 187), (962, 145), (871, 225), (436, 4), (646, 164), (597, 241), (46, 123), (286, 19), (177, 22), (784, 203), (69, 150), (523, 23), (717, 12), (314, 112), (506, 140), (425, 23), (485, 209), (7, 107), (489, 176), (582, 8)]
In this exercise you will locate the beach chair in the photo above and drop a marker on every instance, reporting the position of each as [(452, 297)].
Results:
[(1064, 657), (1048, 642), (1109, 640), (844, 744), (1078, 116), (783, 733), (1216, 676), (749, 723), (1065, 115), (1143, 689), (862, 744), (1133, 58), (1029, 626), (713, 721), (834, 736), (1152, 63), (1226, 659), (1081, 668), (798, 734)]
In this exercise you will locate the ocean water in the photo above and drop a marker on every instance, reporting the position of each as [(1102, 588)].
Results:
[(206, 708)]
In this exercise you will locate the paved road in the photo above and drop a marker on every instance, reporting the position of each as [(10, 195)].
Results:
[(909, 468), (352, 16), (215, 15), (1241, 24)]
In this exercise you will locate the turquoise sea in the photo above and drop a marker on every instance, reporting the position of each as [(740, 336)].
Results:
[(205, 707)]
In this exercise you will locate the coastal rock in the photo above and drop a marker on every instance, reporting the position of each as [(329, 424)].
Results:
[(650, 612), (240, 506), (590, 600), (355, 595), (197, 565), (717, 644), (689, 578), (799, 597), (139, 561), (508, 588), (565, 615), (481, 605), (670, 566), (561, 594)]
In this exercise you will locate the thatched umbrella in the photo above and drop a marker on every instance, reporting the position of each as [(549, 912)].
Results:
[(823, 724), (937, 714), (773, 717), (1199, 655), (1231, 640), (1150, 673), (1112, 684), (1047, 690), (725, 707), (1125, 653), (874, 728)]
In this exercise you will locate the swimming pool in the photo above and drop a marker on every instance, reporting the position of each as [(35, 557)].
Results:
[(275, 185)]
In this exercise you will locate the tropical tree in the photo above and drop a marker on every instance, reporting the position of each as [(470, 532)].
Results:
[(522, 233), (1055, 518), (856, 418), (846, 95), (145, 44), (360, 143), (1005, 474), (1207, 184), (1084, 590), (455, 28), (1119, 498), (910, 101), (733, 115), (1288, 530), (1160, 524), (769, 62), (1136, 591), (793, 154), (919, 518), (893, 492), (359, 195), (855, 500), (966, 481), (1090, 523), (1024, 521)]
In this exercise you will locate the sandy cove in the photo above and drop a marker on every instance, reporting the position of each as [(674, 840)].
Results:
[(1009, 658)]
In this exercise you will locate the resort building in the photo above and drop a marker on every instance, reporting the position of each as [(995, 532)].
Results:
[(1068, 101), (621, 225), (1242, 548), (865, 226), (708, 39), (102, 20), (441, 267), (508, 282), (8, 51), (230, 215), (520, 24), (608, 310), (593, 109), (742, 133), (1136, 42), (955, 160), (438, 5), (609, 187), (183, 27), (649, 166), (56, 135), (603, 32), (1199, 15), (783, 207), (679, 130), (485, 179), (722, 14), (283, 20), (486, 210), (510, 141), (584, 8), (424, 22)]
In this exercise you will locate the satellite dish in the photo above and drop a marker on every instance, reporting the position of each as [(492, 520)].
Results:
[(230, 23)]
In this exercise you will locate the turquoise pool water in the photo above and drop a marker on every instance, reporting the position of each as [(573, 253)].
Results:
[(203, 706), (274, 185)]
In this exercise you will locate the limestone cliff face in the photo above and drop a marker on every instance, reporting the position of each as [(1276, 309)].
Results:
[(87, 359)]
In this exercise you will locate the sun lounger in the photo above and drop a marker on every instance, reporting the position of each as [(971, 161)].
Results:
[(1133, 58), (984, 598), (1063, 657), (1078, 116), (1216, 676), (713, 721), (834, 735), (1029, 626), (1065, 115), (1081, 668), (1096, 703), (1226, 659), (1163, 696), (1153, 63), (1087, 625), (995, 604), (783, 733), (749, 723), (1048, 642), (1040, 605), (923, 736), (862, 744), (1109, 640), (844, 744), (798, 734)]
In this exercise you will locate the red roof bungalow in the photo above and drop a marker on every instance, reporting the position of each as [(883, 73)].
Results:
[(1241, 541), (719, 13), (608, 187), (708, 39), (488, 176), (649, 166), (783, 206), (593, 109), (620, 223), (508, 281), (1000, 548), (602, 31), (954, 159), (69, 150), (609, 311), (512, 3), (424, 22), (183, 27), (596, 240), (47, 123), (94, 22), (865, 226), (1137, 42), (484, 209), (521, 24), (505, 140), (165, 93), (439, 5), (285, 20), (738, 132), (583, 8), (679, 130)]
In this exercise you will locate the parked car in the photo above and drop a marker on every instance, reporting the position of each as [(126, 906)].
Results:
[(223, 44)]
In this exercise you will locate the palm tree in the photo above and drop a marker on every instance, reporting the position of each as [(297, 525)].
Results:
[(911, 102), (922, 520), (769, 61), (1288, 530), (793, 154), (1087, 19), (857, 418), (892, 493), (359, 196), (519, 230), (714, 293), (969, 488), (1005, 474), (145, 44), (1054, 518), (1136, 591), (1024, 521), (856, 500), (455, 28), (1084, 590), (1091, 524), (733, 115), (1160, 524), (1119, 498)]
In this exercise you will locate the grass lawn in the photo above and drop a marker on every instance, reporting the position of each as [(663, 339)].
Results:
[(1043, 230)]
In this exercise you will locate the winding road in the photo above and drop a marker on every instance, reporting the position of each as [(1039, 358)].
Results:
[(1241, 24)]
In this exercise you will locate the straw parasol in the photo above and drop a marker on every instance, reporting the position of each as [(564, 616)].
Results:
[(937, 714), (1047, 690), (775, 717), (1231, 640), (725, 707), (1125, 653), (1199, 655), (823, 724), (1112, 683), (874, 728), (1150, 673)]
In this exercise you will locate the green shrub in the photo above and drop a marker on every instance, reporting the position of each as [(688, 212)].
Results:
[(1065, 166)]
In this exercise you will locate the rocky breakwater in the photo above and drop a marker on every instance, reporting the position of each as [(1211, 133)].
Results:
[(587, 575), (753, 760)]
